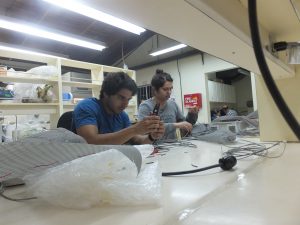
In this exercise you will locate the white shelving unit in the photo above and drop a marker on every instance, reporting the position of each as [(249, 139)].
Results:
[(56, 108)]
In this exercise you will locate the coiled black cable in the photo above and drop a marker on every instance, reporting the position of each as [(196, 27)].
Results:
[(226, 163), (2, 189)]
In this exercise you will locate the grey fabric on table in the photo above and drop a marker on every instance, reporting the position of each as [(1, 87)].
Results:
[(248, 125), (58, 135), (253, 115), (204, 132), (199, 128), (251, 118), (221, 136), (245, 119)]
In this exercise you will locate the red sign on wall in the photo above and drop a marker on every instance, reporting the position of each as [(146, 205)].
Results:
[(191, 100)]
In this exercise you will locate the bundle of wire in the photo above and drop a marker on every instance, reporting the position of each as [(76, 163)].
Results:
[(167, 144), (252, 149), (201, 132)]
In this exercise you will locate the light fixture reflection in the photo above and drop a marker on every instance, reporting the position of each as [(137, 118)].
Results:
[(14, 26), (96, 15), (163, 51)]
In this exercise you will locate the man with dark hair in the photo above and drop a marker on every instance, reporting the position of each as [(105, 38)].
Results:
[(103, 121), (169, 112), (229, 112)]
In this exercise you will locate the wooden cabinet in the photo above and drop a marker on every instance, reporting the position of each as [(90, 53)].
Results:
[(57, 106)]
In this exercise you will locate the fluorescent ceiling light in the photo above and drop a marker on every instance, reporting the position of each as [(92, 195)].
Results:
[(96, 15), (49, 35), (163, 51)]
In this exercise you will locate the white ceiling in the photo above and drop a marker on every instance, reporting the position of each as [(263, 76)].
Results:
[(278, 17), (217, 27), (141, 56)]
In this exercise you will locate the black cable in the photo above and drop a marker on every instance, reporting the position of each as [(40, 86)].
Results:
[(226, 163), (265, 72), (189, 171), (232, 155), (2, 189)]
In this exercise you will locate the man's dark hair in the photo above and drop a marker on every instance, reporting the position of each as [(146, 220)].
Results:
[(114, 82), (225, 107), (159, 79)]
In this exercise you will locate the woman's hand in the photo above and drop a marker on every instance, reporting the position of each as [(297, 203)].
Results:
[(159, 132), (186, 126)]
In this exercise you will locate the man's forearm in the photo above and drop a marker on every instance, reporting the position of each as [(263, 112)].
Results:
[(192, 118), (116, 138), (141, 139)]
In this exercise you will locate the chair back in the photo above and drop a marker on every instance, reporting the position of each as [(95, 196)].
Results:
[(66, 121)]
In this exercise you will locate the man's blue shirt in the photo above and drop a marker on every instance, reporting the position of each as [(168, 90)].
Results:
[(90, 111)]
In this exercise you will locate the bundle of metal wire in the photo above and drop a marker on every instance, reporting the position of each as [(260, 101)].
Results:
[(249, 148)]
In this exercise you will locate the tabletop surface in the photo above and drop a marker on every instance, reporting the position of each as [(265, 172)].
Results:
[(257, 191)]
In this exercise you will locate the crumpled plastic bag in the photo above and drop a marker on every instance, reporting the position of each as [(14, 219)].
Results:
[(29, 92), (107, 177), (44, 71), (145, 150)]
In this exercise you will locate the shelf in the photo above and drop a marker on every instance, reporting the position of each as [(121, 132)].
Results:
[(79, 64), (26, 104), (28, 108), (59, 82), (115, 69), (23, 79), (69, 105), (80, 84)]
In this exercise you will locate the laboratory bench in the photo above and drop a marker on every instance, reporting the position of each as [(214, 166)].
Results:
[(258, 190)]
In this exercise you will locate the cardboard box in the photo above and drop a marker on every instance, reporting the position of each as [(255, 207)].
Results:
[(3, 71)]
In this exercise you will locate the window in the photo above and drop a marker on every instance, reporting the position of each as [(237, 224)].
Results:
[(144, 93)]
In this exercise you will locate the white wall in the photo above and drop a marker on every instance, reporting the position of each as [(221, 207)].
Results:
[(192, 72), (273, 127), (243, 94)]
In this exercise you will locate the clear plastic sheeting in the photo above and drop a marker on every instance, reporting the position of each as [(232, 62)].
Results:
[(44, 71), (145, 150), (107, 177), (21, 158), (221, 136)]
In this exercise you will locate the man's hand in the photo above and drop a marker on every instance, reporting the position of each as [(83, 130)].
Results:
[(150, 124), (160, 131), (186, 126)]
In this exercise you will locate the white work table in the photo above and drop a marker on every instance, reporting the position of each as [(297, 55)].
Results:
[(258, 191)]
